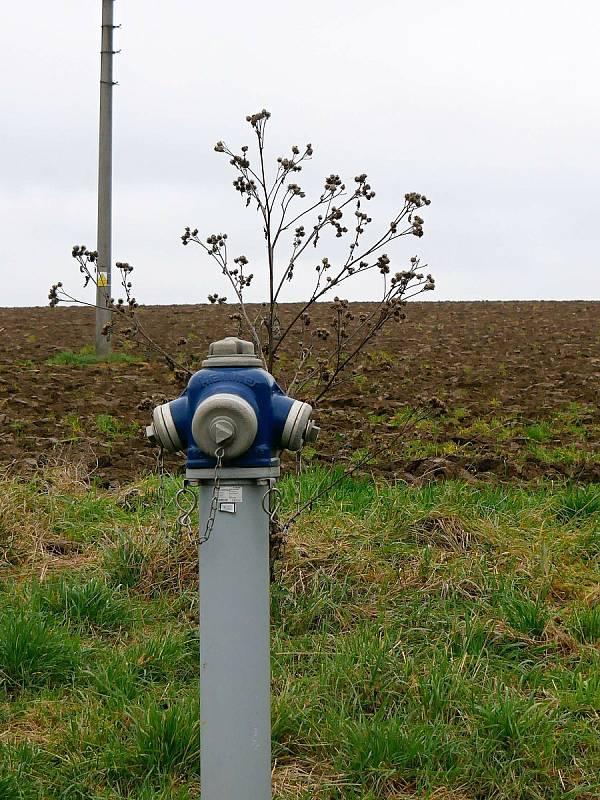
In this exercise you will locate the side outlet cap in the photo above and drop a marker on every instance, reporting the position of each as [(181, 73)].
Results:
[(163, 430), (296, 426)]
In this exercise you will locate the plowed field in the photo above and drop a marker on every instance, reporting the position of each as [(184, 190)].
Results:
[(517, 383)]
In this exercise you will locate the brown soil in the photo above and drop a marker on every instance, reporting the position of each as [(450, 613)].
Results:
[(502, 365)]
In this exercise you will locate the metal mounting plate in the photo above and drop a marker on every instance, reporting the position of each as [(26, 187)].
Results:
[(233, 473)]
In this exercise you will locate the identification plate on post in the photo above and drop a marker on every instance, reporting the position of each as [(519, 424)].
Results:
[(230, 494)]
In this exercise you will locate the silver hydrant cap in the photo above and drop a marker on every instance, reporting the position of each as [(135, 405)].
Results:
[(232, 352)]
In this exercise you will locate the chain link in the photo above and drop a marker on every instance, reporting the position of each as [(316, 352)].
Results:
[(298, 486), (186, 500), (271, 504), (161, 494), (214, 501), (271, 509)]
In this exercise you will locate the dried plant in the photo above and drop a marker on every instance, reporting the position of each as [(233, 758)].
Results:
[(292, 231), (296, 229), (124, 309)]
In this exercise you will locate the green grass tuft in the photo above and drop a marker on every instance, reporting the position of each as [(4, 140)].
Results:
[(165, 656), (126, 559), (92, 603), (585, 624), (9, 787), (539, 432), (112, 428), (526, 615), (163, 738), (512, 722), (578, 503), (33, 654), (86, 356), (168, 740)]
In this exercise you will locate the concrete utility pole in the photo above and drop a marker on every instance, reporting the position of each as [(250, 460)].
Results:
[(104, 240), (233, 421)]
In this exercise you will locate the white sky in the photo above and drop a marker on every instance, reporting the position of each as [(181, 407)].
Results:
[(492, 109)]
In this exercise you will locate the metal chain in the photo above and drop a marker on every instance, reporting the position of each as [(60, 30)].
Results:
[(186, 500), (272, 511), (214, 502), (271, 504), (268, 507), (161, 494), (298, 479)]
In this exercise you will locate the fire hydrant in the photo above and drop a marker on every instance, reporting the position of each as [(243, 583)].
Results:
[(233, 420)]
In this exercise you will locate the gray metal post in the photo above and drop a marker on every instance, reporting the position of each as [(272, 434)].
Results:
[(104, 240), (233, 408), (235, 719)]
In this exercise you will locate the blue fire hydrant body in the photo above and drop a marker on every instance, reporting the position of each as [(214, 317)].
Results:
[(234, 407), (258, 388)]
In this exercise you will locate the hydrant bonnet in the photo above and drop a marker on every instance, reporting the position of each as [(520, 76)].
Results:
[(232, 352)]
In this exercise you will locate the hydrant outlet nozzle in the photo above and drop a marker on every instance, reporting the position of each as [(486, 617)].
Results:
[(163, 430), (224, 420), (296, 425)]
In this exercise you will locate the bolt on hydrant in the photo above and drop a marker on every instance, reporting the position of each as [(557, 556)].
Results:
[(233, 421)]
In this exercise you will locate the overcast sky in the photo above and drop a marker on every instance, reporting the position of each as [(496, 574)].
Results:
[(491, 108)]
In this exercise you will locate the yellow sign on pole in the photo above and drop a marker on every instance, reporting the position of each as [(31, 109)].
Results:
[(102, 279)]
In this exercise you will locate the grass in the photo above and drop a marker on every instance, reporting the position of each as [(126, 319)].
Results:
[(105, 427), (86, 356), (505, 442), (436, 641), (527, 615), (33, 653), (84, 604), (579, 503), (539, 432), (585, 623), (113, 428), (164, 739)]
